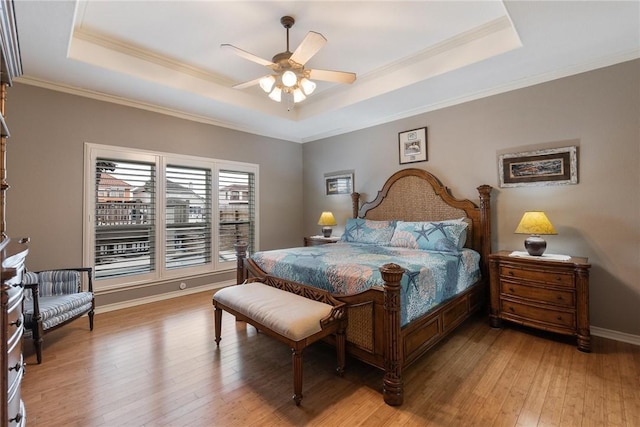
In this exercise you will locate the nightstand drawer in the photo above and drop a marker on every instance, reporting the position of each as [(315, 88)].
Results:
[(533, 313), (535, 293), (556, 278)]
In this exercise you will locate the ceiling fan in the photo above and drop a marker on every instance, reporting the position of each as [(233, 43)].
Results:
[(289, 77)]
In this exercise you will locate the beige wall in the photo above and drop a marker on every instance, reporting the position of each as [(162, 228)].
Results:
[(598, 111), (45, 172)]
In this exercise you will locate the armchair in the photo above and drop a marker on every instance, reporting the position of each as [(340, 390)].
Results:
[(54, 298)]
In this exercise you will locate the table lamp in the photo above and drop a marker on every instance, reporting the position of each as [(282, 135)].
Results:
[(326, 221), (535, 223)]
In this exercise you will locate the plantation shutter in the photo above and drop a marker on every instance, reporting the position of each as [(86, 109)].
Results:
[(187, 217), (236, 203), (125, 220)]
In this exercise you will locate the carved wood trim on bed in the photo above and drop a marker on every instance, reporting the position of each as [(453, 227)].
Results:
[(374, 331)]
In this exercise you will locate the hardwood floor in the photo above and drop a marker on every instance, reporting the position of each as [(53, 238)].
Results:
[(157, 365)]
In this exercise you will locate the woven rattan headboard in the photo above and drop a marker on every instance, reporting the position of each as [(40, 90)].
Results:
[(417, 195)]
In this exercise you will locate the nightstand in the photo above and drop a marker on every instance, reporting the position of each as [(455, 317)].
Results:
[(546, 294), (319, 240)]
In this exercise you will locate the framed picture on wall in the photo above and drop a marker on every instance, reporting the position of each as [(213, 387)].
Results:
[(413, 145), (338, 183), (555, 166)]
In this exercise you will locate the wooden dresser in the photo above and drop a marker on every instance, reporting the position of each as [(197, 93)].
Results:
[(13, 254), (543, 294)]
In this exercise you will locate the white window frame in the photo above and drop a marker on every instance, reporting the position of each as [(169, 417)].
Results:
[(161, 274)]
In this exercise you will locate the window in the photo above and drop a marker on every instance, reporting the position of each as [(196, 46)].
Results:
[(151, 216), (187, 217), (237, 211), (124, 229)]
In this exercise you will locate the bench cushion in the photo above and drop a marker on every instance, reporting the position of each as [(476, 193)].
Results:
[(285, 313)]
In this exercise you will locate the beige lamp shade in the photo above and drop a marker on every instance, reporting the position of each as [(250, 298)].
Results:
[(327, 220), (535, 222)]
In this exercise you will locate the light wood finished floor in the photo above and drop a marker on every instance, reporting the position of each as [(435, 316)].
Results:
[(157, 365)]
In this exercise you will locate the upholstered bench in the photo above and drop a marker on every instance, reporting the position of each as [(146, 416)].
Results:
[(291, 316)]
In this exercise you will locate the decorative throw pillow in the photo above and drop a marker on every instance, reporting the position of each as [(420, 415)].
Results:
[(445, 236), (358, 230)]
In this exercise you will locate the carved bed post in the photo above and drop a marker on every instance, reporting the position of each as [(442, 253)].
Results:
[(241, 255), (485, 223), (392, 386), (355, 204)]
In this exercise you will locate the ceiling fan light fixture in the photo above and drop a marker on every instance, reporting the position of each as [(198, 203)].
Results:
[(267, 82), (289, 78), (276, 94), (298, 96), (307, 86)]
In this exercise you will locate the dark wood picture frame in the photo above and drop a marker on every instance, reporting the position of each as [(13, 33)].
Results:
[(555, 166), (412, 145), (338, 184)]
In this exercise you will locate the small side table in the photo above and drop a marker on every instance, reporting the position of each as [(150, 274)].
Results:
[(546, 294), (319, 240)]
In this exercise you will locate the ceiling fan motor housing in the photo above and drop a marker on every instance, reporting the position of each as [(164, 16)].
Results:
[(287, 21)]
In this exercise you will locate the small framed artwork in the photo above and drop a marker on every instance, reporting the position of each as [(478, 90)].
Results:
[(339, 183), (555, 166), (413, 145)]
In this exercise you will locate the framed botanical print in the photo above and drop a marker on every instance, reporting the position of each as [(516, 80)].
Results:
[(413, 145)]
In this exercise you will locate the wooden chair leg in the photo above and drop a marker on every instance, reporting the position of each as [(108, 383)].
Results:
[(296, 356), (217, 324), (91, 313), (37, 341)]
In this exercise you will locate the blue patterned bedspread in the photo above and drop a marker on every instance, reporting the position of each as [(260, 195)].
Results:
[(431, 277)]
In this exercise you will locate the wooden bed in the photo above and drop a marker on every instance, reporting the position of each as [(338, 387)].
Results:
[(374, 331)]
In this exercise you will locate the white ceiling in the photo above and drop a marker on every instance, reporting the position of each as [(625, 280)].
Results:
[(409, 57)]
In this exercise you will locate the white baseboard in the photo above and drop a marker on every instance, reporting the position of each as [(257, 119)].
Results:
[(161, 297), (615, 335)]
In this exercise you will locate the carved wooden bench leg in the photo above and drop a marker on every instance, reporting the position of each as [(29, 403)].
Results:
[(217, 321), (296, 358), (341, 340)]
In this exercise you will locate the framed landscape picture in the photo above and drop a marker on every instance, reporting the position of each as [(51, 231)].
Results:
[(555, 166), (339, 184), (413, 145)]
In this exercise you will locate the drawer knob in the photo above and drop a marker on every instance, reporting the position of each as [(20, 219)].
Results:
[(17, 322), (559, 318), (16, 367), (511, 289), (560, 297), (511, 309)]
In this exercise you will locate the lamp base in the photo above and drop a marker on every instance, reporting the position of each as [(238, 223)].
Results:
[(326, 231), (535, 245)]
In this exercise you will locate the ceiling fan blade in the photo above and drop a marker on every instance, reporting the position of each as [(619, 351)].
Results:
[(332, 76), (311, 44), (246, 55), (248, 84)]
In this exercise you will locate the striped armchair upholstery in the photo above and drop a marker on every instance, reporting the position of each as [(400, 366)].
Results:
[(54, 298)]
